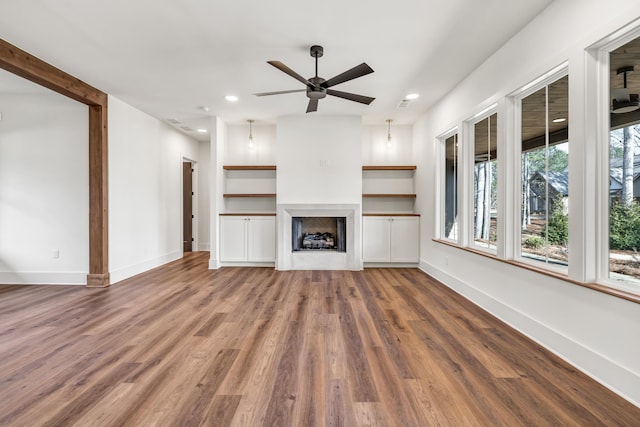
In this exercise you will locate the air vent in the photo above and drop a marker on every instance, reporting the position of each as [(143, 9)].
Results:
[(186, 128), (174, 121), (404, 103)]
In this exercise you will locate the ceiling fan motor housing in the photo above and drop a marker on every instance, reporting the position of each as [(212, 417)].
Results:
[(314, 88)]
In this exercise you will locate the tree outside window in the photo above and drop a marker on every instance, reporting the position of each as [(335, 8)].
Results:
[(544, 215), (485, 182)]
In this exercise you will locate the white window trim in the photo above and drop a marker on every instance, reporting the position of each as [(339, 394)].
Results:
[(515, 101), (442, 218), (597, 90), (469, 164)]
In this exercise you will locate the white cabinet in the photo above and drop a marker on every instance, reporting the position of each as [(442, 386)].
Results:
[(245, 238), (391, 239)]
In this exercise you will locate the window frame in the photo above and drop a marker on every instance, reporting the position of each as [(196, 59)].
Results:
[(516, 98), (598, 64), (442, 220), (469, 165)]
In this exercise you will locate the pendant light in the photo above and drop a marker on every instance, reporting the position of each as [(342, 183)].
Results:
[(251, 142), (389, 138)]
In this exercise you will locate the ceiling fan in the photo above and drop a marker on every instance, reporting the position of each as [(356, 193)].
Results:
[(317, 87), (623, 101)]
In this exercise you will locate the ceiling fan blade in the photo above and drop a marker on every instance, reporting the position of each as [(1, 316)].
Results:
[(279, 92), (351, 96), (313, 105), (357, 71), (280, 66)]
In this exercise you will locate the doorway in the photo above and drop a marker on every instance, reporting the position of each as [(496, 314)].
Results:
[(187, 206)]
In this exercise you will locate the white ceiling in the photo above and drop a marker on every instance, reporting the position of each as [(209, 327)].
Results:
[(170, 57)]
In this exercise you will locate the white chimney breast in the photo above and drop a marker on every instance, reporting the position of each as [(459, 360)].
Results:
[(319, 173), (319, 159)]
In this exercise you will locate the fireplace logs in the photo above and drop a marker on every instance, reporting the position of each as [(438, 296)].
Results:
[(318, 241)]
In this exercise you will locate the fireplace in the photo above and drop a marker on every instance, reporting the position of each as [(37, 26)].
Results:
[(318, 234), (344, 224)]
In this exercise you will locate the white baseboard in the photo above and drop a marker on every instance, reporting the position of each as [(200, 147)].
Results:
[(617, 378), (248, 264), (133, 269), (390, 265), (43, 277), (214, 264)]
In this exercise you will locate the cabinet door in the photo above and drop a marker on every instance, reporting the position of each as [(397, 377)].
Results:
[(405, 239), (375, 239), (233, 238), (261, 239)]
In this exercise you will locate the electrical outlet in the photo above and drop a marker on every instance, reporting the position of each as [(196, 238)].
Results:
[(55, 254)]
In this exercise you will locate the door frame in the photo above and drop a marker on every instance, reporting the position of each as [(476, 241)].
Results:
[(194, 204)]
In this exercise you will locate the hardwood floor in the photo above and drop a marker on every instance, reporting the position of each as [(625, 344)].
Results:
[(184, 346)]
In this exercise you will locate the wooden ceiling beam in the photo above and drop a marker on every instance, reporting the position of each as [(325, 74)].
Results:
[(20, 63)]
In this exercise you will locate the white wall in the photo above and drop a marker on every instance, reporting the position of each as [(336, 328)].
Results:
[(205, 174), (44, 189), (319, 159), (595, 332), (236, 144), (375, 150), (145, 190)]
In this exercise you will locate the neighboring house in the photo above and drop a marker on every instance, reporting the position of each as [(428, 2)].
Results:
[(615, 179), (558, 190), (559, 185)]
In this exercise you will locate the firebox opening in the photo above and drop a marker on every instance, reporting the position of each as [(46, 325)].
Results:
[(319, 234)]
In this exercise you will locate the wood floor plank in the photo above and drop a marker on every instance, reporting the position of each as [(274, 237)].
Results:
[(185, 345)]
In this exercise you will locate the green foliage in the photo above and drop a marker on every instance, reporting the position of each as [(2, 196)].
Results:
[(624, 226), (558, 159), (534, 242), (558, 225)]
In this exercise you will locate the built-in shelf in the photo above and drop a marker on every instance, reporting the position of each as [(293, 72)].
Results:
[(389, 168), (249, 195), (389, 189), (249, 167), (390, 195), (249, 214)]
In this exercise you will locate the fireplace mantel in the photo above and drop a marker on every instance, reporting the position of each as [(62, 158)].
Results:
[(289, 260)]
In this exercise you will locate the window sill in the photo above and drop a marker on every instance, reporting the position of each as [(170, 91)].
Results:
[(629, 296)]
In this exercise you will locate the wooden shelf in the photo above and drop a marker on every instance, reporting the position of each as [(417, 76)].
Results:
[(390, 214), (406, 196), (248, 214), (249, 195), (249, 167), (389, 168)]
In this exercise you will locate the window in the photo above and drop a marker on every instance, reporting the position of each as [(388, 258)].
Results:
[(450, 203), (544, 216), (624, 163), (485, 182)]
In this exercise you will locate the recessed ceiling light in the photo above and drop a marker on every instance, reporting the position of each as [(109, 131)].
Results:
[(412, 96), (203, 130), (231, 98), (559, 120)]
